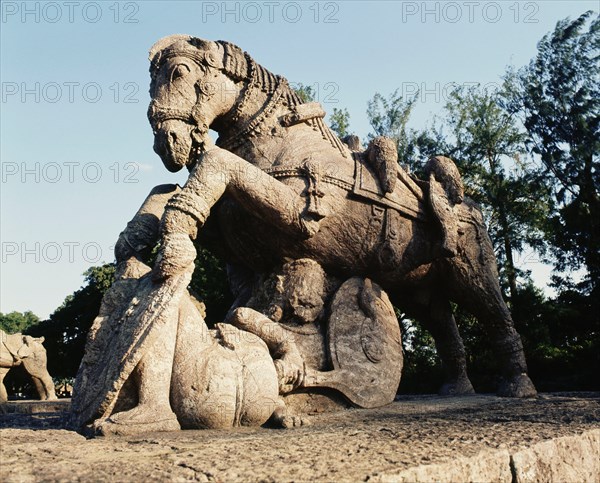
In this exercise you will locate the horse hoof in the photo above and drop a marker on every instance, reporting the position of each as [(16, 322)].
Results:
[(517, 386), (459, 387)]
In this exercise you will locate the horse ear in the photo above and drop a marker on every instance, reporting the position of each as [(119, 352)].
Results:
[(213, 52), (41, 339)]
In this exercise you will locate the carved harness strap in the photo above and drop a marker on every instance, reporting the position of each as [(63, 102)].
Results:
[(158, 114), (312, 170)]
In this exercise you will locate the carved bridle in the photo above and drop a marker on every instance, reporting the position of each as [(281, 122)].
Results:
[(159, 113)]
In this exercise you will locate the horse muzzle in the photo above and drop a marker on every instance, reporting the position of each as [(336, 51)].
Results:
[(174, 144)]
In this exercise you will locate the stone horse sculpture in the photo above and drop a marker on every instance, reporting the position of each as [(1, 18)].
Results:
[(17, 349), (281, 184)]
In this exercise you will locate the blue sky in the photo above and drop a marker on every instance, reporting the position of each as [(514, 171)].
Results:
[(75, 144)]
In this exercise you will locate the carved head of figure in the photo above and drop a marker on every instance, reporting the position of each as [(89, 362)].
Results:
[(302, 288), (31, 346), (193, 84)]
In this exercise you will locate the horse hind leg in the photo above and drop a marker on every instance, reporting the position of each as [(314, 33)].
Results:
[(473, 283), (436, 316)]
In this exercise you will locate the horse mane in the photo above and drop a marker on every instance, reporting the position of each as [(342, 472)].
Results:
[(236, 65)]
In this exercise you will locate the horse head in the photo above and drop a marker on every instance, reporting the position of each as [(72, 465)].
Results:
[(194, 83)]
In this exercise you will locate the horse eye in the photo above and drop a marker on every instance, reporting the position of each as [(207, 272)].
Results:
[(179, 71)]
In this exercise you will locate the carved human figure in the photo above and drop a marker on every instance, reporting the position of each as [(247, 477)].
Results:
[(298, 299), (325, 333), (19, 349)]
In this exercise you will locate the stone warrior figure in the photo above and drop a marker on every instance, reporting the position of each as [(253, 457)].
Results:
[(175, 373), (297, 301)]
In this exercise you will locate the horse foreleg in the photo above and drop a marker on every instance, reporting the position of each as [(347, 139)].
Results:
[(220, 172)]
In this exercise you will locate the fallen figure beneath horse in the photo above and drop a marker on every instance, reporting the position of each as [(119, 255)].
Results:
[(279, 185)]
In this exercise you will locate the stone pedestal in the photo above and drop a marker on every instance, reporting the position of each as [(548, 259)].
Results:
[(555, 437)]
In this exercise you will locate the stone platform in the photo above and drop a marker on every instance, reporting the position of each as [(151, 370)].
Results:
[(555, 437), (35, 407)]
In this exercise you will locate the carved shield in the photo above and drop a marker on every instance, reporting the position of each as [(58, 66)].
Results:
[(365, 344)]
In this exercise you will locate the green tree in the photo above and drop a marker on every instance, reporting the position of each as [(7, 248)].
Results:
[(559, 96), (339, 122), (422, 370), (15, 322), (66, 329), (306, 93), (489, 147), (389, 117), (209, 284)]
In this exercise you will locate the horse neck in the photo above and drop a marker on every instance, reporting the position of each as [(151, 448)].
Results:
[(256, 133)]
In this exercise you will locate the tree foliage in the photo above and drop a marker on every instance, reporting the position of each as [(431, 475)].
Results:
[(389, 117), (306, 93), (66, 329), (339, 122), (489, 147), (559, 96), (210, 286), (15, 322)]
